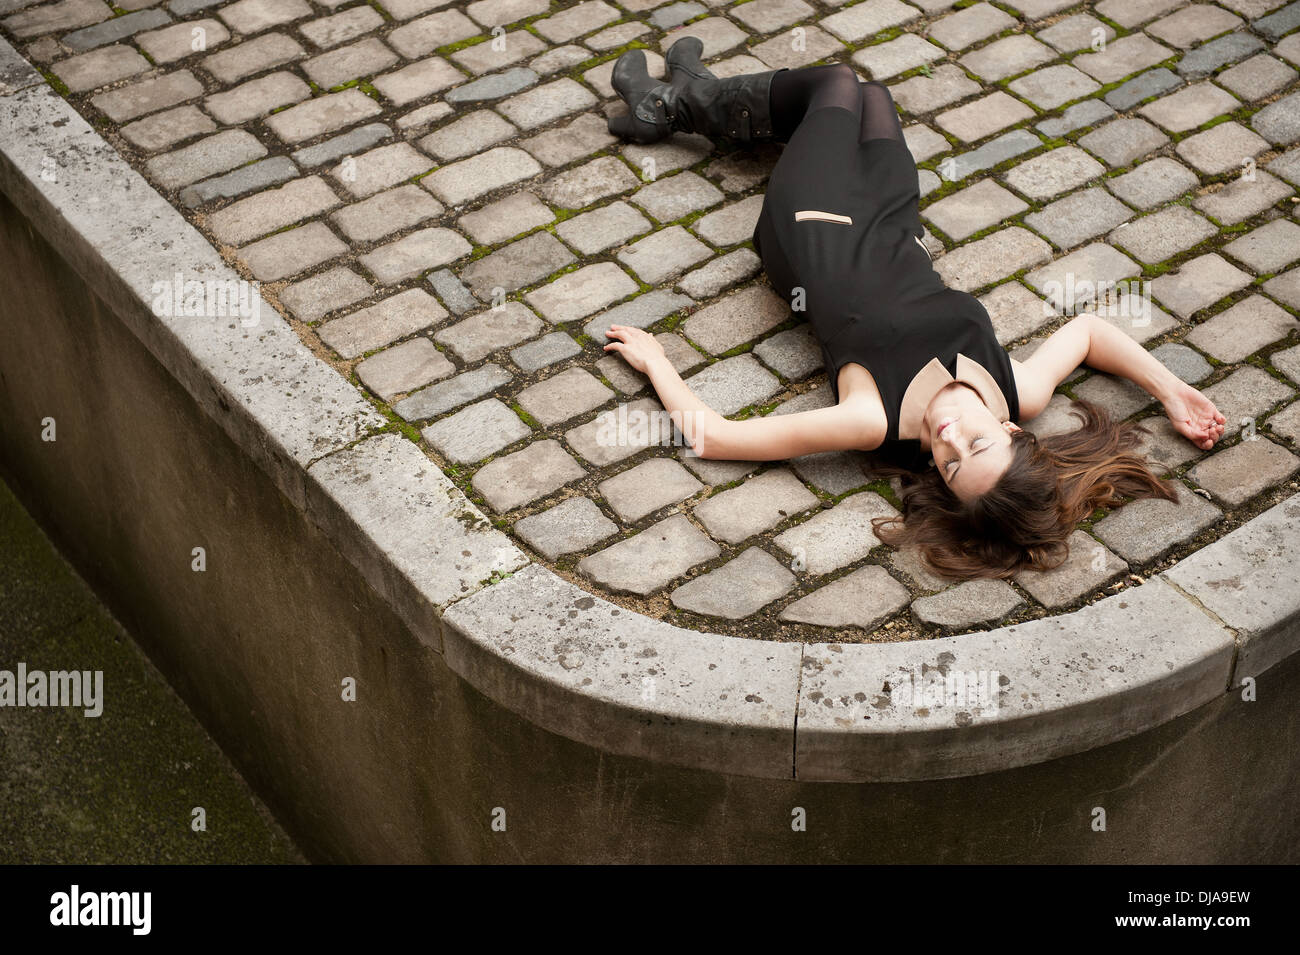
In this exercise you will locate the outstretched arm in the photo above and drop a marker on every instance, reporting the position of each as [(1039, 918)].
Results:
[(1087, 339), (770, 438)]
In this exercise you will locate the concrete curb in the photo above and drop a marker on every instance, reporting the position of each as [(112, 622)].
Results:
[(578, 665)]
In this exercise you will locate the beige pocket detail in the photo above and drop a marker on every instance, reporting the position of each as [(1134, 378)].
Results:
[(803, 214)]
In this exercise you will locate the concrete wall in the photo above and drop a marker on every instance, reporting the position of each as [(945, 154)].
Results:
[(413, 771)]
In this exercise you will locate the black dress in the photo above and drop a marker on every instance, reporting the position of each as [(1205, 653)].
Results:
[(840, 224)]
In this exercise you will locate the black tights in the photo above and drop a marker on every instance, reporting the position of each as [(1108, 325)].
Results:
[(796, 93)]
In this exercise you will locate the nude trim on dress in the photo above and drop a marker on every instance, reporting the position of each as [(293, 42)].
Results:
[(803, 214)]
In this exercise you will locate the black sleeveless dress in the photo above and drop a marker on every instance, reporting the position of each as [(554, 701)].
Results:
[(839, 234)]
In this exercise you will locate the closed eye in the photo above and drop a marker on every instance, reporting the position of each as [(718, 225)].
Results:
[(952, 472)]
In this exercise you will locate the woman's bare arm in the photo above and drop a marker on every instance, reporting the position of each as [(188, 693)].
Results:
[(1089, 340), (844, 426)]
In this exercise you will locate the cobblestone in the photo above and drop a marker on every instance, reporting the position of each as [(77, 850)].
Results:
[(475, 432), (382, 323), (1163, 234), (573, 525), (1199, 283), (575, 295), (563, 396), (522, 477), (759, 504), (100, 67), (971, 604), (404, 368), (1237, 474), (664, 254), (1153, 183), (739, 588), (837, 537), (491, 330), (603, 228), (452, 393)]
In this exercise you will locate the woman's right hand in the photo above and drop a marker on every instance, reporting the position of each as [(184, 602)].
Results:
[(638, 347)]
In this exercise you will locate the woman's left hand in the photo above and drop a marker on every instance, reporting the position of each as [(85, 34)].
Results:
[(1194, 416), (639, 347)]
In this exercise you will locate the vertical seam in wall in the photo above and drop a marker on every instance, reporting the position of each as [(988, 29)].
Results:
[(798, 693), (1236, 636)]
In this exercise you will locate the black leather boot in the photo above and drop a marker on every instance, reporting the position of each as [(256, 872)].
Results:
[(736, 107)]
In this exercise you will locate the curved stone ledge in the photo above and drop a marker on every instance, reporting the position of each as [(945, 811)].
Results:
[(580, 666)]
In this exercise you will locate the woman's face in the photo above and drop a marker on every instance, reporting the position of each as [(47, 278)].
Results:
[(971, 447)]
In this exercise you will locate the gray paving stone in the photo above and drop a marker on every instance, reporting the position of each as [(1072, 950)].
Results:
[(737, 589), (759, 504), (995, 151), (1163, 234), (733, 383), (1243, 329), (486, 57), (946, 84), (110, 31), (1286, 422), (623, 431), (351, 143), (644, 489), (1278, 24), (470, 134), (445, 395), (148, 96), (779, 52), (923, 143), (611, 38), (1075, 33), (1163, 446), (1246, 396), (892, 57), (253, 16), (575, 295), (868, 18), (563, 396), (966, 27), (1052, 173), (836, 537), (1258, 78), (1085, 113), (1088, 568), (168, 128), (1054, 86), (88, 71), (330, 31), (674, 14), (475, 432), (453, 294), (1122, 141), (974, 209), (420, 79), (715, 473), (505, 218), (984, 116), (664, 254), (253, 56), (1007, 57), (603, 228), (491, 330), (1153, 183), (1130, 13), (522, 477), (1066, 282), (250, 178), (386, 213), (1209, 57), (865, 599), (731, 224), (563, 144), (421, 37), (256, 98), (1143, 86), (641, 312), (651, 559), (381, 168), (994, 257), (576, 189), (1119, 396), (672, 197), (382, 323), (908, 561), (322, 115), (560, 58), (721, 273), (1270, 248), (208, 157), (1242, 198), (572, 525), (181, 40), (1122, 57), (1198, 283), (970, 604), (678, 151), (513, 266), (1237, 474), (547, 350), (414, 254), (316, 296), (1184, 362), (1192, 24), (1279, 122), (404, 368), (422, 117), (736, 319), (467, 179), (1015, 311), (1285, 288), (57, 17), (542, 104), (1190, 107), (1220, 148)]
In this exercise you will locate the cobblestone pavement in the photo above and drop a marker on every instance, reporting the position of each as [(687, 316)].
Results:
[(428, 192)]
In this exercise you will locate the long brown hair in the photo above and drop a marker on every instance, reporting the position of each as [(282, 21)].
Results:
[(1025, 519)]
